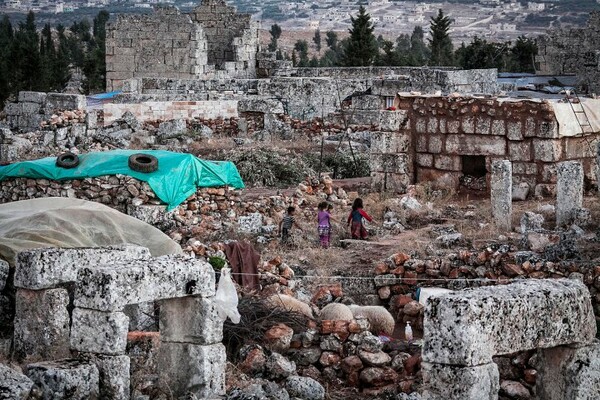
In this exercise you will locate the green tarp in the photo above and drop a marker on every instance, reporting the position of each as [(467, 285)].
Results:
[(176, 179)]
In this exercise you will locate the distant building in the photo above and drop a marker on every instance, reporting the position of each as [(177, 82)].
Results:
[(536, 6)]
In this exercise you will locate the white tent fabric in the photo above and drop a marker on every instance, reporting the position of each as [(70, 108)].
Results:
[(72, 223)]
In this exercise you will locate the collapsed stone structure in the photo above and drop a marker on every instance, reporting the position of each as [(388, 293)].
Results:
[(573, 51), (464, 330), (72, 321), (212, 41)]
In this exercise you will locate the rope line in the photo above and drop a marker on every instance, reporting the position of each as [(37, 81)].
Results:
[(398, 279)]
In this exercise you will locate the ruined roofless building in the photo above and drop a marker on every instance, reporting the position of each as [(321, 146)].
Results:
[(212, 41), (573, 51)]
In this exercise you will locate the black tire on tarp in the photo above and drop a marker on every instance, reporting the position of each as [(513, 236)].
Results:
[(141, 162)]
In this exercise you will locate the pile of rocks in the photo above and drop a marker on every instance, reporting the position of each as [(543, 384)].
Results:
[(339, 353), (64, 118)]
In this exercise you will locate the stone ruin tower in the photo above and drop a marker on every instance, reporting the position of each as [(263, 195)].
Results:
[(213, 41)]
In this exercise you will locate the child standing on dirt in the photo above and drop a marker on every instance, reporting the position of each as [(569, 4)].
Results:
[(324, 228), (357, 229), (286, 224)]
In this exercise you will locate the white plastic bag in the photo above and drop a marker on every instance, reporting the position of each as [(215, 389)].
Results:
[(226, 298)]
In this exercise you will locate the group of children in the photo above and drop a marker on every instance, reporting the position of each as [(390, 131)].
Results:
[(324, 220)]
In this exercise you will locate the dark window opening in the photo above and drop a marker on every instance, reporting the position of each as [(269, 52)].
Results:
[(474, 173), (474, 166)]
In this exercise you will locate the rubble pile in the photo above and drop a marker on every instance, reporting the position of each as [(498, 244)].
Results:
[(64, 118)]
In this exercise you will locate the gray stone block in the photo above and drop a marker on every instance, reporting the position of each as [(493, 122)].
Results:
[(13, 384), (192, 368), (265, 106), (569, 191), (65, 379), (4, 268), (450, 382), (476, 145), (467, 328), (99, 332), (114, 376), (569, 373), (111, 287), (172, 129), (46, 268), (501, 193), (190, 320), (63, 101), (32, 97), (304, 388), (41, 325)]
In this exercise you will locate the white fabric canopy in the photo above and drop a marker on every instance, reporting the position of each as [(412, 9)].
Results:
[(70, 223)]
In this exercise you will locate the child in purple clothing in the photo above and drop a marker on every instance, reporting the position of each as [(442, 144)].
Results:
[(324, 218)]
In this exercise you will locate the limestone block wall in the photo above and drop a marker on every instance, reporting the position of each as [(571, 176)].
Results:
[(166, 43), (448, 132), (72, 303), (34, 107), (573, 50), (232, 38), (420, 79), (168, 110)]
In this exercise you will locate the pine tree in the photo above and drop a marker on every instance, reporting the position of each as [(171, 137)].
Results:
[(6, 69), (317, 40), (331, 39), (27, 56), (419, 53), (523, 54), (361, 49), (440, 42), (275, 35), (301, 47)]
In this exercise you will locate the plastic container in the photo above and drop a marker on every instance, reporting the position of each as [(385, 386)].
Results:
[(408, 333)]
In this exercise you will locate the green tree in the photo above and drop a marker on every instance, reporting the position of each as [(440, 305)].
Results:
[(523, 55), (27, 56), (388, 56), (301, 47), (6, 67), (440, 42), (361, 49), (275, 32), (419, 53), (331, 39), (94, 67), (317, 40)]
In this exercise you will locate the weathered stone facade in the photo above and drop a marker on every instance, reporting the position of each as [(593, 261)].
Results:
[(463, 330), (71, 313), (573, 50), (211, 42), (450, 137)]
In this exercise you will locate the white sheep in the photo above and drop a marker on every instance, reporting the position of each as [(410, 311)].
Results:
[(379, 318), (289, 303), (336, 311)]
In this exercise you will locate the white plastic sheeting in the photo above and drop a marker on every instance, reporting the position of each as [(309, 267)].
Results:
[(72, 223)]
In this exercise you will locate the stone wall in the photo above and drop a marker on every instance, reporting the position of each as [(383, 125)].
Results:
[(166, 43), (169, 110), (447, 132), (232, 38), (418, 78), (71, 314), (213, 41), (314, 92), (34, 107), (573, 50)]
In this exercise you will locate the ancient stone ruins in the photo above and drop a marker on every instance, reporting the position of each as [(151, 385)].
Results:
[(480, 279)]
